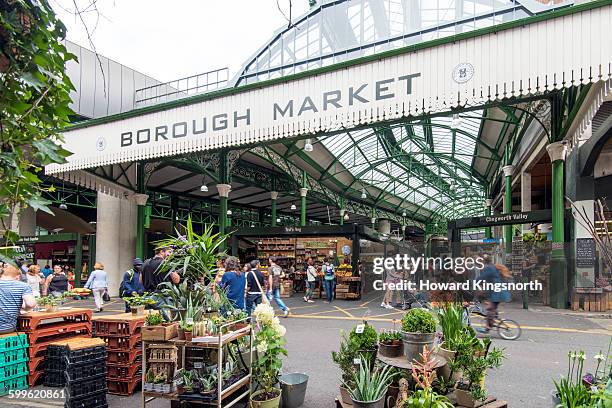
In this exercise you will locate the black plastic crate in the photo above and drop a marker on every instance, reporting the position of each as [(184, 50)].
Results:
[(71, 375), (76, 356), (84, 388), (94, 400), (61, 364)]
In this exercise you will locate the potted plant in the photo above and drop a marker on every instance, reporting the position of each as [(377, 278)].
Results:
[(270, 343), (450, 317), (187, 330), (390, 344), (159, 382), (137, 303), (418, 330), (344, 359), (157, 329), (50, 302), (473, 360), (423, 373), (363, 339), (183, 379), (370, 385), (149, 380), (208, 385)]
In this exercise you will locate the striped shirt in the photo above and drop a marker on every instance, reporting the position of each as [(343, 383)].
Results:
[(11, 299)]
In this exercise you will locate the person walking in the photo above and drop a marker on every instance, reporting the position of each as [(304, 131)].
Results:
[(34, 279), (14, 296), (256, 283), (311, 280), (328, 279), (56, 283), (131, 284), (492, 274), (98, 285), (152, 271), (234, 282), (275, 274), (394, 277)]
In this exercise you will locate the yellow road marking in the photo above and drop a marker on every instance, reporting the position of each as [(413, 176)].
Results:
[(344, 311), (386, 320), (332, 311), (303, 307)]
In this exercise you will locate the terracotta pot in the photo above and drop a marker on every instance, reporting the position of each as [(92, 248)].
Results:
[(188, 336), (345, 396), (181, 334), (137, 310), (395, 349), (271, 403)]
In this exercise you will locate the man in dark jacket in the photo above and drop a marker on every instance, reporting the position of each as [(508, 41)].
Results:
[(152, 273), (131, 284)]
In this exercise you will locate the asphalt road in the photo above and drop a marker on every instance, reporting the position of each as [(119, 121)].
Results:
[(524, 380)]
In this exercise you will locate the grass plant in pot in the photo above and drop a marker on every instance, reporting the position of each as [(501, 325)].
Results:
[(418, 330), (51, 303), (187, 329), (270, 344), (450, 317), (370, 385), (390, 343), (138, 303)]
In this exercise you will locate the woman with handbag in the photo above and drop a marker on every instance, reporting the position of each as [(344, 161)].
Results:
[(98, 285)]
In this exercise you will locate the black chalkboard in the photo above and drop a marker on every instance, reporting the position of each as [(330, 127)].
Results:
[(585, 252)]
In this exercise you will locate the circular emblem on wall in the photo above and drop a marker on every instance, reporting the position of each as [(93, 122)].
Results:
[(100, 144), (346, 250), (463, 72)]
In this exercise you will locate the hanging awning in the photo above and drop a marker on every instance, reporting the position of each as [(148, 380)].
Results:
[(541, 53)]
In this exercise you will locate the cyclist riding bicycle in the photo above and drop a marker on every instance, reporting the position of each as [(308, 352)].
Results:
[(492, 274)]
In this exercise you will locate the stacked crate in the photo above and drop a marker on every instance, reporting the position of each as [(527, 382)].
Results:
[(79, 365), (123, 336), (44, 328), (342, 291), (13, 362), (286, 289)]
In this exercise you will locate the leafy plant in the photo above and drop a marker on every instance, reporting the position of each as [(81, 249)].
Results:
[(181, 299), (185, 378), (270, 344), (188, 327), (50, 300), (418, 321), (153, 319), (452, 323), (34, 101), (388, 337), (150, 376), (160, 379), (194, 255), (208, 382), (571, 390), (370, 386), (365, 340), (139, 300), (344, 359), (426, 398)]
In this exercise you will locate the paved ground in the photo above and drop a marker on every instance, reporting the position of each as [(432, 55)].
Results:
[(525, 380)]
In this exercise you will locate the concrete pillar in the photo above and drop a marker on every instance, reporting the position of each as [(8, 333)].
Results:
[(27, 222), (558, 263), (526, 195), (342, 212), (384, 226), (115, 237)]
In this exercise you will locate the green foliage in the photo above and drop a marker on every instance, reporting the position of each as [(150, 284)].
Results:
[(451, 320), (270, 344), (344, 359), (188, 327), (427, 398), (370, 385), (572, 391), (182, 300), (418, 321), (139, 300), (185, 378), (367, 340), (153, 319), (49, 300), (194, 255), (387, 337), (150, 376), (34, 101)]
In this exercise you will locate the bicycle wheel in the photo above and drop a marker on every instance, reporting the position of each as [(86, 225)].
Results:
[(508, 329)]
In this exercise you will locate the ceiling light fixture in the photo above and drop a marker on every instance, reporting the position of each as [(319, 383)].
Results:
[(278, 220), (404, 214), (364, 195), (293, 207), (346, 216), (456, 122), (229, 212), (63, 206), (308, 146), (204, 188)]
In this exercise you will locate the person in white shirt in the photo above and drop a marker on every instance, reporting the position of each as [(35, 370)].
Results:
[(311, 280), (34, 279), (98, 285)]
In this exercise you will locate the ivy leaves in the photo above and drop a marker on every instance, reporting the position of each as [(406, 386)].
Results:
[(34, 103)]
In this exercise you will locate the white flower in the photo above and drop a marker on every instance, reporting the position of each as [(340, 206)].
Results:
[(264, 313), (262, 347), (277, 327), (599, 357)]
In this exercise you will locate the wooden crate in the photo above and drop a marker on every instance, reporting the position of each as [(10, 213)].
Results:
[(590, 300), (160, 333)]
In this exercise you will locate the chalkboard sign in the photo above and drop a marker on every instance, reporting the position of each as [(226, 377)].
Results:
[(585, 252)]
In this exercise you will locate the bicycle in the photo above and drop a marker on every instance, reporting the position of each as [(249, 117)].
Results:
[(507, 329)]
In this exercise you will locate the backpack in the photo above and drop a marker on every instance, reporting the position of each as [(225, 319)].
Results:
[(122, 288)]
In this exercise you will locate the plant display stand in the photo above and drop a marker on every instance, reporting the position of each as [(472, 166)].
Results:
[(490, 402), (226, 396), (123, 338), (13, 362), (80, 366), (45, 328)]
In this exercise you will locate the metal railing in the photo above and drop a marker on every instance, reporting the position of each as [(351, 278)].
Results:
[(181, 88)]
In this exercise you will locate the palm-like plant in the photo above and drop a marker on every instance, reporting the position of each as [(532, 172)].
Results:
[(370, 387), (194, 255)]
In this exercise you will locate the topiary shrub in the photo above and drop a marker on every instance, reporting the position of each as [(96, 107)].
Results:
[(418, 321)]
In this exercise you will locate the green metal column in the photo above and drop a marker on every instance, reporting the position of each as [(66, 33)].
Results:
[(141, 208), (558, 263), (303, 193), (342, 211), (78, 260), (488, 203), (508, 170), (273, 197), (223, 188)]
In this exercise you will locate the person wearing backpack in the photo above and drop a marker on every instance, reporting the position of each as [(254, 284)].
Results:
[(131, 284), (494, 274), (328, 279)]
